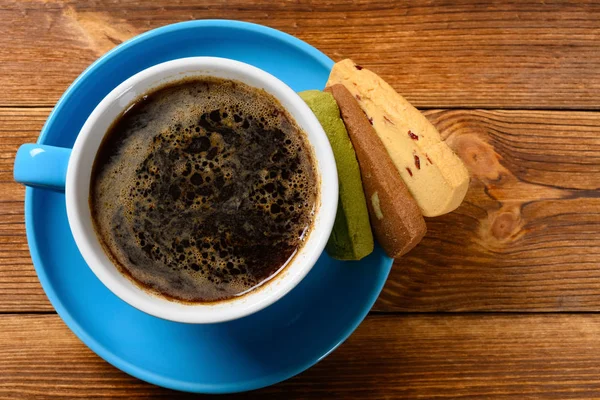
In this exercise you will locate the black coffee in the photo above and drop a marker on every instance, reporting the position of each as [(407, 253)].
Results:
[(203, 189)]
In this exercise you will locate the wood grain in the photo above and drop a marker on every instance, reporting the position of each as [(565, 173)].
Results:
[(526, 238), (388, 357), (448, 54), (20, 289)]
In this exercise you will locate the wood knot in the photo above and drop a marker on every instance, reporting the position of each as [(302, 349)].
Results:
[(479, 157), (504, 225)]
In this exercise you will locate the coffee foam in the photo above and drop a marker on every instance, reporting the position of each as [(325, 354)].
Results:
[(203, 190)]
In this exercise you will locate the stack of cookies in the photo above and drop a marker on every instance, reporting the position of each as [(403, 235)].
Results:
[(393, 166)]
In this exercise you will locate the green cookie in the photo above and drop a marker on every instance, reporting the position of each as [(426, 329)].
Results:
[(351, 238)]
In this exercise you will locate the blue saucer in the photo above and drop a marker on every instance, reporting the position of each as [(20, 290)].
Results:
[(260, 350)]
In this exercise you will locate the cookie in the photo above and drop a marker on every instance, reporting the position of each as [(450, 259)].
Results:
[(434, 175), (395, 216)]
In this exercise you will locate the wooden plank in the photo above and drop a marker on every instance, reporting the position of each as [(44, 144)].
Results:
[(20, 289), (526, 238), (458, 54), (388, 357)]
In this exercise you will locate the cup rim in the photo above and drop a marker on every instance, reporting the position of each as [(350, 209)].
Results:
[(78, 179)]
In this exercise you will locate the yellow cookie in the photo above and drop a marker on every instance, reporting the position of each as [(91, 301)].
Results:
[(434, 175)]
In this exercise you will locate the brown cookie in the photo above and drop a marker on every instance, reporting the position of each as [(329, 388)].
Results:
[(395, 216)]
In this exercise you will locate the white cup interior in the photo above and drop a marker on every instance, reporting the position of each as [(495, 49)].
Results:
[(78, 183)]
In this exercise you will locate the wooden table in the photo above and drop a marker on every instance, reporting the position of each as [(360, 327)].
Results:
[(500, 300)]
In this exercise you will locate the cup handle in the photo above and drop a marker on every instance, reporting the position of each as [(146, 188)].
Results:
[(41, 166)]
